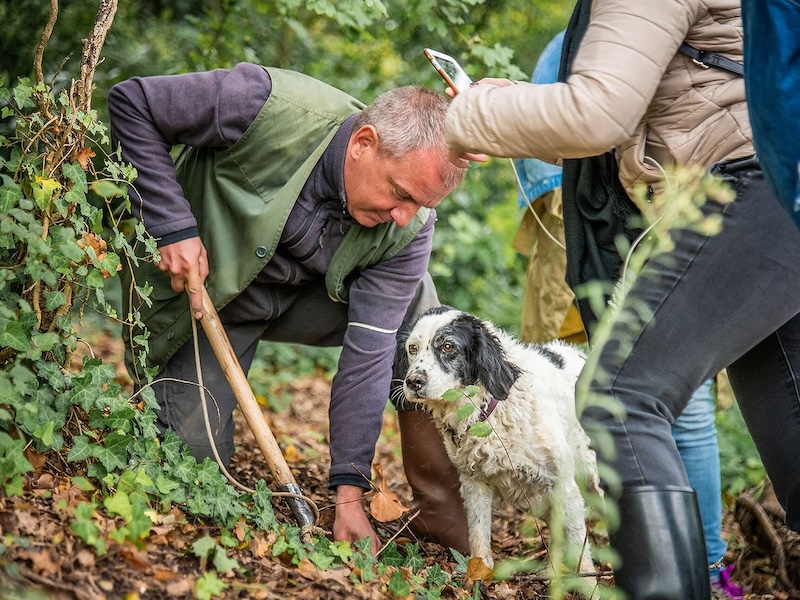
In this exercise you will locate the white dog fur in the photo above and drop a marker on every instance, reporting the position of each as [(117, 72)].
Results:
[(536, 449)]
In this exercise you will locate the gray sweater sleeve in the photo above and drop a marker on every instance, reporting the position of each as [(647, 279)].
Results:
[(151, 115), (379, 298)]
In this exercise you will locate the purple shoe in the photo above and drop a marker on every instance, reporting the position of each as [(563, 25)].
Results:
[(723, 588)]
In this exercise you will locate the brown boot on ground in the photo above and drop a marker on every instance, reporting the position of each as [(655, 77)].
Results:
[(434, 483)]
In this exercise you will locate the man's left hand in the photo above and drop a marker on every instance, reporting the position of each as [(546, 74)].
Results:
[(351, 523)]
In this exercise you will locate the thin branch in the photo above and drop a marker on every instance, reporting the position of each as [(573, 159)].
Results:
[(92, 45), (48, 31)]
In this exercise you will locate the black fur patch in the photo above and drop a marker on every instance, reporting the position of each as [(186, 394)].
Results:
[(553, 357)]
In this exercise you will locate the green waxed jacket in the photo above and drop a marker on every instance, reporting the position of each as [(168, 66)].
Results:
[(242, 197)]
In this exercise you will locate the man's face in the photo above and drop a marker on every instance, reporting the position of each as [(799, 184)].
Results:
[(383, 190)]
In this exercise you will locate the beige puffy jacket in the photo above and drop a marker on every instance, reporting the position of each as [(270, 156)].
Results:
[(630, 89)]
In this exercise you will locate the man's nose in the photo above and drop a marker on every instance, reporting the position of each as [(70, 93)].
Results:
[(403, 214)]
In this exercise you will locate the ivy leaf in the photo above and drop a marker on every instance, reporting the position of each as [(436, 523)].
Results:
[(398, 586), (81, 449), (83, 526), (10, 194), (43, 191), (84, 393), (391, 555), (208, 585), (113, 452), (76, 175), (16, 335), (45, 433), (222, 563), (436, 577), (106, 189), (184, 470), (119, 504), (341, 550), (203, 547), (413, 559), (166, 486)]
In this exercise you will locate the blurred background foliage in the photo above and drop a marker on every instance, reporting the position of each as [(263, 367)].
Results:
[(364, 47)]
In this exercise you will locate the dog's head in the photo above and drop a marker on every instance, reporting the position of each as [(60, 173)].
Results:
[(450, 349)]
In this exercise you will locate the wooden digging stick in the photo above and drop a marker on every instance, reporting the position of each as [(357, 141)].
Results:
[(252, 412)]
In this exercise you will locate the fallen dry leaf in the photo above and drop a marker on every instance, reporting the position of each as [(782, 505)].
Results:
[(478, 571), (83, 156), (385, 506), (42, 561)]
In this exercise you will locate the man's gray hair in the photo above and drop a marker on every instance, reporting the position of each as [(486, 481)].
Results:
[(410, 118)]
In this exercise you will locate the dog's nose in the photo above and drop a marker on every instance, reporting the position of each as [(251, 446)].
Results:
[(416, 381)]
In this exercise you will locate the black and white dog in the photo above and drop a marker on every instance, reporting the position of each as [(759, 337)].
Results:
[(526, 393)]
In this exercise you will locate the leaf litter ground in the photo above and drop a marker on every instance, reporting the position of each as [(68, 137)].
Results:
[(44, 559)]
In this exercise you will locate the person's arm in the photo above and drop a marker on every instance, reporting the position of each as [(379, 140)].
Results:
[(379, 298), (623, 56), (151, 115)]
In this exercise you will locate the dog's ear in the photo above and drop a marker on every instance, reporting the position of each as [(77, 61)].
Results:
[(490, 362), (401, 364)]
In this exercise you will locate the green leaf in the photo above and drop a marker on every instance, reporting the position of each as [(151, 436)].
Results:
[(398, 586), (76, 174), (113, 452), (16, 335), (203, 547), (45, 433), (342, 550), (45, 341), (413, 559), (119, 504), (209, 585), (222, 563), (464, 411), (10, 194), (452, 395), (106, 189), (391, 555), (436, 577), (480, 429), (83, 526), (81, 449)]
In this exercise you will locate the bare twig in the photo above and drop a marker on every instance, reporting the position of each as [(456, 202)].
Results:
[(92, 45), (48, 31)]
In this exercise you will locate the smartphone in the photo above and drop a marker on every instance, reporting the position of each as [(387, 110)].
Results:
[(449, 69)]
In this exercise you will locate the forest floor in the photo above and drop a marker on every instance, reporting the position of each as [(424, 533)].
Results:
[(55, 564)]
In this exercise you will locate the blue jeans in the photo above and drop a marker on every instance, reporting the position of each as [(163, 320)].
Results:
[(696, 437), (772, 79), (729, 300)]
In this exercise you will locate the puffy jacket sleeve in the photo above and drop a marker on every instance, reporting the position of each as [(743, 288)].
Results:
[(624, 54)]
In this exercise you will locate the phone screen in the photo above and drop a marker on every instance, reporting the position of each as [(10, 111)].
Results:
[(449, 69)]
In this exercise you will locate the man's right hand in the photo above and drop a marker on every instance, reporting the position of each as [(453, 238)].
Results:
[(186, 263)]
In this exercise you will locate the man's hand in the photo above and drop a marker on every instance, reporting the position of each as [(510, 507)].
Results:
[(351, 523), (186, 263)]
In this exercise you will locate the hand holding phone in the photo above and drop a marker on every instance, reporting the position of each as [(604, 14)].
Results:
[(449, 69)]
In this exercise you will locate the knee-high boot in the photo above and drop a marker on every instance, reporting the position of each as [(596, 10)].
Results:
[(434, 483), (661, 545)]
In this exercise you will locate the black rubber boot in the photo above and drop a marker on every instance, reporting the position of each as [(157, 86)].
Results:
[(661, 545), (434, 483)]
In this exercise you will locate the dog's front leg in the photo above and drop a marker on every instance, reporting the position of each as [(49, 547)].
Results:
[(478, 499)]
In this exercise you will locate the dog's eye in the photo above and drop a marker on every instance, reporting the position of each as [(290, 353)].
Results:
[(447, 347), (412, 349)]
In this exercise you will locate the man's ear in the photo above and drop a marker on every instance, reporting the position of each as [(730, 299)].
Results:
[(363, 141)]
